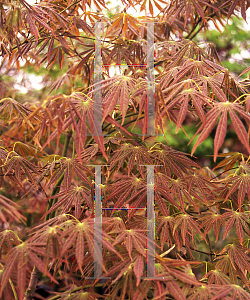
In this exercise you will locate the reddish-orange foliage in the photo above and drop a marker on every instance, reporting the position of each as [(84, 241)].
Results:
[(50, 150)]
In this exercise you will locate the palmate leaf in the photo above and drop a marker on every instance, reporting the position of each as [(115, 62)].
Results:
[(126, 284), (79, 232), (70, 167), (120, 52), (230, 291), (190, 68), (178, 190), (216, 277), (234, 5), (168, 231), (211, 219), (204, 292), (215, 291), (231, 158), (74, 197), (79, 111), (118, 94), (175, 279), (165, 229), (172, 161), (138, 264), (51, 237), (201, 184), (133, 191), (234, 262), (133, 155), (16, 164), (21, 257), (122, 23), (241, 184), (116, 91), (8, 238), (182, 101), (9, 211), (179, 52), (221, 109), (172, 289), (186, 9), (222, 85), (134, 239), (55, 221), (130, 51), (188, 226), (123, 188), (112, 224), (9, 106)]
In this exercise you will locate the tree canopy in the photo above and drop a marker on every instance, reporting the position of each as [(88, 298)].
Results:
[(89, 183)]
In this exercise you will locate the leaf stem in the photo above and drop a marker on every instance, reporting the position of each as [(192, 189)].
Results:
[(13, 289)]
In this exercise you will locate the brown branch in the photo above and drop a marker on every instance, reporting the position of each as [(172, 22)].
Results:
[(35, 273), (32, 284)]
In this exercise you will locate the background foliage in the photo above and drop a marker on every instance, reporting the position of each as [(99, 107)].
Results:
[(48, 150)]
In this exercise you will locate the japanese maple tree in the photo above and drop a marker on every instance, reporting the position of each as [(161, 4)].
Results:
[(52, 147)]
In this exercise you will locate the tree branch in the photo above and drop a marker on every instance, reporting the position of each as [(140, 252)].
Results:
[(32, 284), (35, 273)]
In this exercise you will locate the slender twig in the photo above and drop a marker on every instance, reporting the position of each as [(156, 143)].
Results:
[(195, 25), (223, 173), (210, 248), (32, 284), (126, 123), (57, 186), (77, 289), (194, 35), (74, 3), (35, 273), (207, 253)]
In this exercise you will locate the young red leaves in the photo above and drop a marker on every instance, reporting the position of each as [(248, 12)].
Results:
[(21, 257), (81, 232), (221, 109)]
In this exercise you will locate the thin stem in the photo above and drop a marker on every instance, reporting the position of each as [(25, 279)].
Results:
[(59, 181), (207, 253), (209, 16), (66, 144), (127, 123), (203, 252), (210, 248), (77, 289), (13, 289), (74, 3), (119, 118), (54, 192), (32, 284), (195, 25), (35, 273)]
